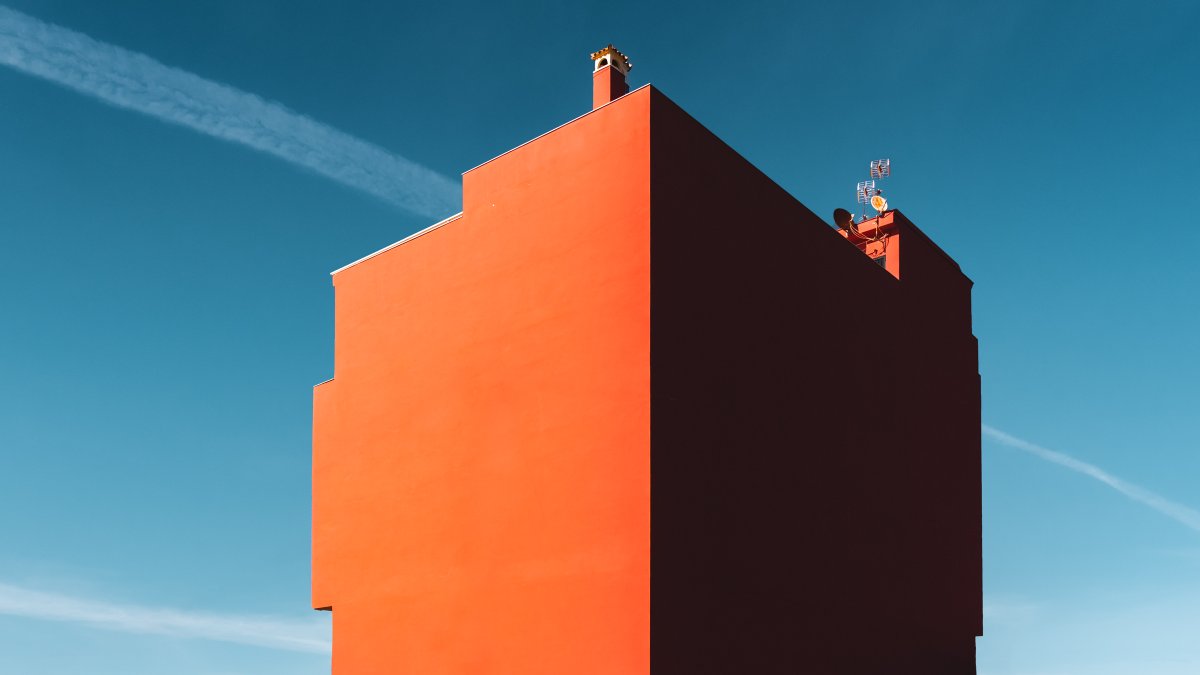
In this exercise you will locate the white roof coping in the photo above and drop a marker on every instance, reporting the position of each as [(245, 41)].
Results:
[(576, 119), (410, 237), (459, 214)]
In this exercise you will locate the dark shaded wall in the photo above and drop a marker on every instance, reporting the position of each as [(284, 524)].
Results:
[(815, 491)]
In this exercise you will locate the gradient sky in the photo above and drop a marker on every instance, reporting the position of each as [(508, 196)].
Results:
[(167, 307)]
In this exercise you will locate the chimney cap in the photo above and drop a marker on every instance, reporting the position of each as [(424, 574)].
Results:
[(616, 58)]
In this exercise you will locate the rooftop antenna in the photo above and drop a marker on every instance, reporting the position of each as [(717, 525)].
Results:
[(881, 168), (867, 194), (864, 193)]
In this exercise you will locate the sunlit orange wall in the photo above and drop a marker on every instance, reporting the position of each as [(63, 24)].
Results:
[(481, 472)]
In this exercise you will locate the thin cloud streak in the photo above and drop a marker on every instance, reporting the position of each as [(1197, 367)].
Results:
[(301, 636), (1183, 514), (137, 82)]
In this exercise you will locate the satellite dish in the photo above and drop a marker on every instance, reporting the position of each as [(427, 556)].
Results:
[(879, 203), (843, 218)]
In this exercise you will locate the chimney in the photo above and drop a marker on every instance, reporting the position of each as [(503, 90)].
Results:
[(608, 76)]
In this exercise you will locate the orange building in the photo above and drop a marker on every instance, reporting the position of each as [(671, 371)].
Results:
[(636, 409)]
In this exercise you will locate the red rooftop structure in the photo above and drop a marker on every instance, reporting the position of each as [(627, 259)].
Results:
[(636, 409)]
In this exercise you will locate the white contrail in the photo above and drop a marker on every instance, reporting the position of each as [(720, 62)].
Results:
[(302, 636), (1188, 516), (137, 82)]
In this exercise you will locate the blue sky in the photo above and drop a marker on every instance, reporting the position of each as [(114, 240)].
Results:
[(169, 220)]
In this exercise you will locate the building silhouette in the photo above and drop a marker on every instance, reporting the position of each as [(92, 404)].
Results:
[(636, 409)]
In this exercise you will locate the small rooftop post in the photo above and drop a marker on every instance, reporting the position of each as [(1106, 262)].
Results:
[(608, 76)]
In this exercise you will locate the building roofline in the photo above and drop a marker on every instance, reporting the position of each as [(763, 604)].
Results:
[(936, 248), (644, 86), (410, 237), (459, 214)]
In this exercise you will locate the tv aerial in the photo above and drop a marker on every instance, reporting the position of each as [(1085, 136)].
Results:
[(867, 193), (880, 168)]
